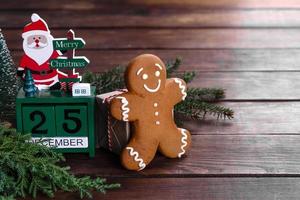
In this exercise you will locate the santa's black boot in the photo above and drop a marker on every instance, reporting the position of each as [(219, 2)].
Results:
[(56, 86)]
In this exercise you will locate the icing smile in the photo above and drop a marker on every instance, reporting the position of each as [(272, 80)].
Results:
[(155, 89)]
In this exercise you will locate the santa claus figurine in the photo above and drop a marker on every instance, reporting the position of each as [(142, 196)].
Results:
[(38, 49)]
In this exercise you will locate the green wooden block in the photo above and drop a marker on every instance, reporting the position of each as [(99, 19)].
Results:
[(38, 120), (64, 122), (71, 121), (67, 80)]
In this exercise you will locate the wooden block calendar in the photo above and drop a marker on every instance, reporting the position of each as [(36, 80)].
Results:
[(59, 120)]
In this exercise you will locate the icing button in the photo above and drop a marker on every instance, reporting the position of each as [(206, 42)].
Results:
[(157, 122), (155, 104), (156, 113)]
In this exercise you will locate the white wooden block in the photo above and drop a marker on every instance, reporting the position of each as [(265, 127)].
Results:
[(81, 89)]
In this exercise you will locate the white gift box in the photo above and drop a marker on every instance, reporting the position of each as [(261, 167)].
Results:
[(81, 89)]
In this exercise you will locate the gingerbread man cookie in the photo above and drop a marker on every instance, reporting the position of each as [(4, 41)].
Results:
[(149, 105)]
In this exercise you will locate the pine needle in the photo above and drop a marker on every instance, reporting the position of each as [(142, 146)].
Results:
[(107, 81), (197, 109), (27, 169), (206, 94)]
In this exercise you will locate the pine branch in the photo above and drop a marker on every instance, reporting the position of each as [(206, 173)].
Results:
[(197, 109), (27, 169), (173, 66), (107, 81), (206, 94), (188, 76)]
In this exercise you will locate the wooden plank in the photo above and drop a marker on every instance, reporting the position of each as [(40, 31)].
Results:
[(199, 60), (92, 4), (194, 188), (211, 155), (175, 38), (255, 118), (252, 85), (157, 18), (225, 3), (250, 118)]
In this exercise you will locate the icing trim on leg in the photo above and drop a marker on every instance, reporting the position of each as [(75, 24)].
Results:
[(182, 87), (183, 141), (136, 158), (125, 109)]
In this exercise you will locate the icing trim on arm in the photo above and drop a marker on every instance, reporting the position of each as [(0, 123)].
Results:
[(182, 87), (136, 158), (183, 141), (124, 108)]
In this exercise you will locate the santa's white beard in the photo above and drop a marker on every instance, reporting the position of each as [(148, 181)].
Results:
[(40, 56)]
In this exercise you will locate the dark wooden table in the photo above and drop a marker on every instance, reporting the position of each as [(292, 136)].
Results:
[(249, 47)]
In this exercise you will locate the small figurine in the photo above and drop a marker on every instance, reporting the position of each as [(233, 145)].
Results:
[(148, 104), (29, 87), (38, 49)]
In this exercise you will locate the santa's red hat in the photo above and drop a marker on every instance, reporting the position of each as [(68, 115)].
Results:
[(37, 27)]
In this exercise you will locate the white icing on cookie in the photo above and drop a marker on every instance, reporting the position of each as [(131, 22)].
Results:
[(157, 73), (182, 87), (155, 104), (125, 109), (154, 89), (136, 158), (158, 65), (157, 122), (183, 141), (139, 71), (145, 76), (156, 113)]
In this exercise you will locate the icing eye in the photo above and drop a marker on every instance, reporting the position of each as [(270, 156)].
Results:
[(157, 73), (145, 76)]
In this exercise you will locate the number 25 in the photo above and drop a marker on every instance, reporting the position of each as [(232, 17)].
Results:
[(67, 116)]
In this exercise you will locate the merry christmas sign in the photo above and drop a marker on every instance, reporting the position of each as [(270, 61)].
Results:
[(70, 62)]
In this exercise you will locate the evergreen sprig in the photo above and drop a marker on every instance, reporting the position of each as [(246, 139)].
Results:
[(106, 82), (9, 84), (206, 94), (198, 109), (27, 169), (197, 104)]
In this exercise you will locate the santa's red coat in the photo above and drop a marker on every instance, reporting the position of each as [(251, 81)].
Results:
[(43, 77)]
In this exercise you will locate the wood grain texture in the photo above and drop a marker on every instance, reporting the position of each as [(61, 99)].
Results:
[(199, 60), (254, 118), (225, 3), (175, 38), (157, 17), (196, 188), (210, 155), (203, 4), (252, 85), (250, 118)]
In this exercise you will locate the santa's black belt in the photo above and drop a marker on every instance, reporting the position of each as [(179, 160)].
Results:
[(42, 72)]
